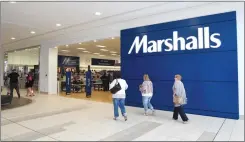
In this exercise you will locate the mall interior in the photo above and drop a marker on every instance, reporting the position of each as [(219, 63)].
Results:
[(59, 43)]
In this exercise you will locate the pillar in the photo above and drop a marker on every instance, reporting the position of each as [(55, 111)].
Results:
[(48, 69), (1, 68)]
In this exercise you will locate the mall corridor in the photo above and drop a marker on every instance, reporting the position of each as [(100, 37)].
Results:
[(56, 118)]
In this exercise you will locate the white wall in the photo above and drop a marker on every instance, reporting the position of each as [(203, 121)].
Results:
[(48, 69), (23, 58)]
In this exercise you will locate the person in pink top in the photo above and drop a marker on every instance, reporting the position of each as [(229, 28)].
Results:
[(147, 92)]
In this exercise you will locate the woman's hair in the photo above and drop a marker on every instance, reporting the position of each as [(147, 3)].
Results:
[(178, 76), (146, 77), (118, 75)]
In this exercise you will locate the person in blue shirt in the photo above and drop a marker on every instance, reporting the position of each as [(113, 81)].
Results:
[(88, 87)]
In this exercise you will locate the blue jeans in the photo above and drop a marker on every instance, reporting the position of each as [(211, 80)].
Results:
[(119, 102), (147, 103)]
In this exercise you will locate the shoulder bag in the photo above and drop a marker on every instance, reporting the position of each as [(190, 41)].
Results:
[(116, 88)]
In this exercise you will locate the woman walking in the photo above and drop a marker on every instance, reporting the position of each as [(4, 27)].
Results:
[(119, 96), (179, 99), (147, 92), (29, 85)]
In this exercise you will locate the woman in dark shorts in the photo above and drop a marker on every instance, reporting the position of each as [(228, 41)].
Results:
[(29, 85)]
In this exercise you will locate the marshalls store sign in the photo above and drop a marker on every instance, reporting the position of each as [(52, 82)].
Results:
[(204, 40)]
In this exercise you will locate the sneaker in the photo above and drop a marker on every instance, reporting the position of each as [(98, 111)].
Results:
[(125, 118), (145, 114), (185, 122), (153, 112), (115, 118)]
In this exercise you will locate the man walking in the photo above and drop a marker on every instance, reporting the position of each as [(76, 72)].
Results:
[(14, 83)]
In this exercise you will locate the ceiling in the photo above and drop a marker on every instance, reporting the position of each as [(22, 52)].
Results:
[(78, 20), (106, 47), (21, 18)]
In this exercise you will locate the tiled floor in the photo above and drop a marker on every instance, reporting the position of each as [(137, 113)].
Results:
[(52, 118)]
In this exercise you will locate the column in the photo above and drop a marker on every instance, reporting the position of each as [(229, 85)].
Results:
[(1, 68), (48, 69)]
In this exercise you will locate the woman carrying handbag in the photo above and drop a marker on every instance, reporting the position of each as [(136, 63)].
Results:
[(118, 89), (179, 99)]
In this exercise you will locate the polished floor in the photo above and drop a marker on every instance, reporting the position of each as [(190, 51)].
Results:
[(57, 118), (98, 96)]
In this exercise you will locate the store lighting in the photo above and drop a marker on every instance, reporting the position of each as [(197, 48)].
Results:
[(102, 55), (100, 46), (13, 38), (97, 13), (55, 47), (67, 45), (12, 2), (65, 50), (96, 53), (113, 52), (85, 51), (112, 38), (58, 25), (33, 32), (80, 43), (103, 49), (81, 48), (95, 40)]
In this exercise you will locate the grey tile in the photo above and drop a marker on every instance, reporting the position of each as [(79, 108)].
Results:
[(207, 136), (5, 122), (30, 136), (55, 129), (35, 116), (241, 117), (33, 135), (133, 132)]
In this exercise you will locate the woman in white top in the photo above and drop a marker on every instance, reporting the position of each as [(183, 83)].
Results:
[(119, 97), (179, 99), (147, 92)]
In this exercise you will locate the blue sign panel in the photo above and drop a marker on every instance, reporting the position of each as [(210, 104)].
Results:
[(68, 61), (203, 50), (68, 82)]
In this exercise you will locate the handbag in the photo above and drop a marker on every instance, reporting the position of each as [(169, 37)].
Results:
[(178, 100), (116, 88)]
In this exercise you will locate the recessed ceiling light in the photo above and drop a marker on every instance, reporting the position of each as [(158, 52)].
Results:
[(96, 53), (95, 40), (85, 51), (100, 46), (67, 45), (103, 49), (97, 13), (113, 52), (55, 47), (102, 55), (112, 38), (81, 48), (65, 50), (80, 43), (58, 25), (33, 32), (12, 38)]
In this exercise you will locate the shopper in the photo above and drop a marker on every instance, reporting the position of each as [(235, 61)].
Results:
[(147, 91), (29, 84), (14, 83), (103, 79), (119, 97), (179, 99)]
